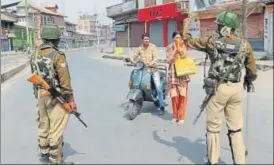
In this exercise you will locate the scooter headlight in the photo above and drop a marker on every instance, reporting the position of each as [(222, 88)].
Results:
[(139, 65)]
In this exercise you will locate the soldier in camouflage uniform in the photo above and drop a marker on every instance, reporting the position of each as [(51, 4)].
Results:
[(51, 65), (228, 96)]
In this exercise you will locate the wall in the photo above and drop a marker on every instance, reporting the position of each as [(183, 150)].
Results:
[(141, 4)]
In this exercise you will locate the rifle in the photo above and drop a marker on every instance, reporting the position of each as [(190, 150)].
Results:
[(37, 80)]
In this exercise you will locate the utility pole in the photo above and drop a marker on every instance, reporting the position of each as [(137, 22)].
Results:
[(0, 31), (96, 25), (244, 4), (65, 31), (27, 25)]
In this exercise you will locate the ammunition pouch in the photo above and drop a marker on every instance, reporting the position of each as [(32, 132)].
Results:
[(210, 85)]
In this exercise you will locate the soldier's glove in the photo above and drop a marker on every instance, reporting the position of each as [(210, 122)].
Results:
[(248, 79), (71, 107), (248, 86)]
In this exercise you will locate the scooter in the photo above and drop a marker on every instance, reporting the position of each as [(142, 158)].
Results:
[(142, 87)]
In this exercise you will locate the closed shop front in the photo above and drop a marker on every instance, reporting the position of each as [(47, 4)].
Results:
[(136, 31), (4, 43), (255, 31), (122, 38), (171, 27), (156, 33), (208, 26), (162, 21)]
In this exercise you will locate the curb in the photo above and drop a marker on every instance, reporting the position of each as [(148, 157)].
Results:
[(7, 75), (12, 54), (199, 62), (24, 53)]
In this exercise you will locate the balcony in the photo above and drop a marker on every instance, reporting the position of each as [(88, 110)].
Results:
[(122, 8), (183, 6)]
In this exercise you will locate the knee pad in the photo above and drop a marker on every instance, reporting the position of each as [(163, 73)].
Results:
[(230, 141), (43, 145)]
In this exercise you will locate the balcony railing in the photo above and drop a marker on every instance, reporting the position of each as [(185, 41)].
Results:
[(183, 6)]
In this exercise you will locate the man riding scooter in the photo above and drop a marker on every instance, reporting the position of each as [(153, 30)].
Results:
[(148, 53)]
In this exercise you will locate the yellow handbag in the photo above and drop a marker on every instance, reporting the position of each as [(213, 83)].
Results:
[(184, 66)]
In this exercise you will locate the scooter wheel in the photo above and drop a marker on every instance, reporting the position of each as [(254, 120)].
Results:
[(132, 110)]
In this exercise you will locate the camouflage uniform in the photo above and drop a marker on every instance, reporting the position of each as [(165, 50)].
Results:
[(228, 97), (52, 116)]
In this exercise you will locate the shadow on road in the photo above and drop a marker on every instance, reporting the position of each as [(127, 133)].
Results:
[(68, 151), (152, 109), (194, 151), (148, 107)]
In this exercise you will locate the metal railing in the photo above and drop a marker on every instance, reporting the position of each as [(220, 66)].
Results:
[(183, 6)]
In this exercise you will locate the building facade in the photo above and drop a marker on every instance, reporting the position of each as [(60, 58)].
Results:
[(7, 23), (86, 23), (162, 18), (207, 12), (69, 35), (41, 14), (126, 25), (20, 41)]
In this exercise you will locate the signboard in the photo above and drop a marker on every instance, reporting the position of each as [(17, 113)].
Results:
[(194, 28), (158, 12), (197, 5), (128, 6), (118, 28), (114, 9), (123, 7)]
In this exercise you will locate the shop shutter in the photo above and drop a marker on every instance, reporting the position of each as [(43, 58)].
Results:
[(122, 38), (136, 31), (171, 27), (156, 33)]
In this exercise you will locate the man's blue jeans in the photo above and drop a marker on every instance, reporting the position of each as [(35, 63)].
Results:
[(158, 86)]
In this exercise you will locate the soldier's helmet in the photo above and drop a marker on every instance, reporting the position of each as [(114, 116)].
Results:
[(50, 32), (229, 19)]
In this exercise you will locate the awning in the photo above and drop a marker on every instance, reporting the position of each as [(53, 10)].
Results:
[(11, 35), (118, 28)]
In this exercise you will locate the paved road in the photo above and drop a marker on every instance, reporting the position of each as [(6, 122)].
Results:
[(9, 59), (100, 90)]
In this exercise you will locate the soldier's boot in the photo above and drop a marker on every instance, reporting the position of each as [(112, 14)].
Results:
[(56, 154), (208, 163), (213, 146), (237, 146), (44, 158), (67, 162)]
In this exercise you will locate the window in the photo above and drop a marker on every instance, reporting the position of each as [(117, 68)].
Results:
[(149, 3)]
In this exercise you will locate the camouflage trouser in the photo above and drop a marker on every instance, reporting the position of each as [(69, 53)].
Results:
[(228, 99), (52, 122)]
